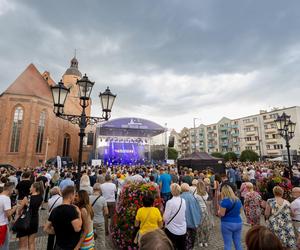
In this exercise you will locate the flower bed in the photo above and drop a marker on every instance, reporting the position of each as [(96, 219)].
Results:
[(283, 182), (130, 201)]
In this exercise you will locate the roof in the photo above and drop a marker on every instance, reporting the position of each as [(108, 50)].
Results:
[(200, 156), (73, 70), (30, 83), (130, 127)]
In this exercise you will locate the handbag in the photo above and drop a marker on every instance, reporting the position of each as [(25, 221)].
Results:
[(22, 224)]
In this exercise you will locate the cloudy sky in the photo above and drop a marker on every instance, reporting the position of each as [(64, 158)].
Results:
[(167, 60)]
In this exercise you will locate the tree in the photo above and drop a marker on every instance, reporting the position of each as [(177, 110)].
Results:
[(217, 154), (172, 154), (249, 155), (230, 156)]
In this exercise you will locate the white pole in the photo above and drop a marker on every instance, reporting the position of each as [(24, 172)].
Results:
[(46, 150)]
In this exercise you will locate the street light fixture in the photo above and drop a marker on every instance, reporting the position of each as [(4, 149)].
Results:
[(85, 86), (286, 129)]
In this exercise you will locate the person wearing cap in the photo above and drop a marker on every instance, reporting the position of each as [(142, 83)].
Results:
[(295, 207)]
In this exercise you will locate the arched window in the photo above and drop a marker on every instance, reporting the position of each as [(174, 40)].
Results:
[(66, 147), (40, 133), (16, 130)]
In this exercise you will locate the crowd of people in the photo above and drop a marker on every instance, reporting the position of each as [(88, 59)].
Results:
[(82, 206)]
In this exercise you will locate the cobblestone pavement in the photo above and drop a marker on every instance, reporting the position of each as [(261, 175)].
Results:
[(215, 243)]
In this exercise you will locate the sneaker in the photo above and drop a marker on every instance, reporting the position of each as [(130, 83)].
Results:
[(201, 244), (205, 244)]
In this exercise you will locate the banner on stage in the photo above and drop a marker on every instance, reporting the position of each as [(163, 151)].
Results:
[(96, 162)]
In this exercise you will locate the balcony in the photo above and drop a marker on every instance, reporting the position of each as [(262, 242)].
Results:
[(211, 145), (235, 134), (250, 124), (224, 128), (224, 136), (269, 120), (273, 152), (224, 144), (211, 138), (252, 132), (271, 130), (236, 143), (234, 126), (250, 142), (272, 141)]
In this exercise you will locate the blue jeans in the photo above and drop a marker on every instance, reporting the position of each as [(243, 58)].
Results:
[(232, 231), (166, 196)]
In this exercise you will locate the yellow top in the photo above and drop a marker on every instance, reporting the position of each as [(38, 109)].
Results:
[(153, 217)]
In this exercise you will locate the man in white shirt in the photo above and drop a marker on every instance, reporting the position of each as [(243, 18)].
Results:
[(295, 207), (55, 201), (6, 211), (99, 205), (109, 190)]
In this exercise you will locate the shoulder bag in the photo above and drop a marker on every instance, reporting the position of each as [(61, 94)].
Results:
[(22, 224), (96, 200)]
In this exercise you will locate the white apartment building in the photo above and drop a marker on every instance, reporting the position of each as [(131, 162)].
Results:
[(256, 132)]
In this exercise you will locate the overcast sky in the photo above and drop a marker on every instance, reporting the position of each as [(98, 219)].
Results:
[(167, 60)]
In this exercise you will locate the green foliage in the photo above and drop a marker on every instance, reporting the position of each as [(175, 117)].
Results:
[(217, 154), (249, 155), (172, 154), (230, 156)]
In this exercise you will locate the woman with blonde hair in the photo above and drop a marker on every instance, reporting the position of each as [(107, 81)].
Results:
[(278, 214), (85, 184), (231, 221), (204, 229), (252, 205), (174, 218)]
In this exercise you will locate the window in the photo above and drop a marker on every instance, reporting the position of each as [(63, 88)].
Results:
[(274, 136), (90, 138), (40, 133), (254, 119), (264, 117), (267, 136), (268, 146), (66, 147), (16, 130)]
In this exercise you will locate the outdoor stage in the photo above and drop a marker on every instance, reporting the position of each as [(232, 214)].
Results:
[(126, 141)]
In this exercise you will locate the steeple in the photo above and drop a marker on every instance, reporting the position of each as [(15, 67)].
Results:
[(73, 70)]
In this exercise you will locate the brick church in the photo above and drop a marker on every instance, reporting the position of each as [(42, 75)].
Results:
[(30, 133)]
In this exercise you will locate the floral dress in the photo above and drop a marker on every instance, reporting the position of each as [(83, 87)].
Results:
[(280, 222), (252, 207)]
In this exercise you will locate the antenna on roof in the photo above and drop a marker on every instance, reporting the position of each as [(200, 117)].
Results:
[(75, 52)]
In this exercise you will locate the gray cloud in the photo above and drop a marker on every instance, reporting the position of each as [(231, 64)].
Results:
[(167, 60)]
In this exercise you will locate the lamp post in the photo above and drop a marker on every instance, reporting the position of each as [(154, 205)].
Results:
[(286, 129), (85, 86)]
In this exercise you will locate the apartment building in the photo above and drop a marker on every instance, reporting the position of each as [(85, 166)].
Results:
[(256, 132)]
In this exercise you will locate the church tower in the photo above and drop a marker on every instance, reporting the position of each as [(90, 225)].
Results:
[(69, 79)]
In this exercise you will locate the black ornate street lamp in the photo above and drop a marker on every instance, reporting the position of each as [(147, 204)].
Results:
[(85, 86), (286, 129)]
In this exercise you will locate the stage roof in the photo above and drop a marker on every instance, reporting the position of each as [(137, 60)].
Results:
[(130, 127)]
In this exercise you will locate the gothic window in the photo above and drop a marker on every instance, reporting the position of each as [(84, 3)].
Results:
[(66, 147), (16, 130), (40, 133)]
